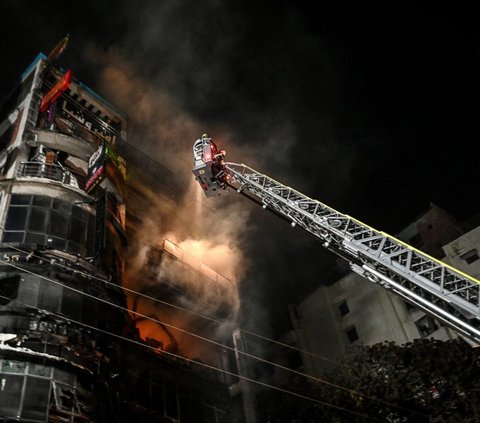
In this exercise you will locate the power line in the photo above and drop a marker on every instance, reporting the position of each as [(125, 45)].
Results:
[(246, 354), (289, 346), (157, 300), (208, 366)]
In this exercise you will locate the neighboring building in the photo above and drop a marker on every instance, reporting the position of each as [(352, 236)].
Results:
[(463, 253), (353, 310), (69, 350)]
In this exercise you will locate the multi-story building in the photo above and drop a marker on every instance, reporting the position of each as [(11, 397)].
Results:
[(352, 310), (69, 349)]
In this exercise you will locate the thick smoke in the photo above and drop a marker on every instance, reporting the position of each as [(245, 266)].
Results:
[(208, 239), (183, 69)]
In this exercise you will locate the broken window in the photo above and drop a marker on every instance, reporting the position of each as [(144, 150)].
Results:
[(36, 399), (65, 399), (16, 219)]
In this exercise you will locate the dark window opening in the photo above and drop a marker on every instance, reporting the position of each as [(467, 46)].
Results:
[(50, 222), (77, 230), (142, 391), (60, 205), (171, 403), (37, 239), (157, 398), (343, 307), (58, 224), (20, 199), (42, 201), (38, 220), (10, 386), (351, 333), (13, 236), (16, 219), (426, 326), (470, 256)]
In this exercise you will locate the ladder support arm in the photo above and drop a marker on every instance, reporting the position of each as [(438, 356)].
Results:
[(448, 294)]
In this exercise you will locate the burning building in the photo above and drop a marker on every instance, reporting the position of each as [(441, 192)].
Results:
[(69, 347)]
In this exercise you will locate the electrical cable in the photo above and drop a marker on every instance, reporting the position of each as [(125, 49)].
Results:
[(157, 300), (201, 337), (289, 346), (199, 363)]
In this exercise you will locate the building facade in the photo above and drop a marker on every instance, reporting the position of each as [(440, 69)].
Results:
[(69, 349), (355, 311)]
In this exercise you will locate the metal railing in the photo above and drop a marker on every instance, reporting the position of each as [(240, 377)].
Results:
[(53, 172)]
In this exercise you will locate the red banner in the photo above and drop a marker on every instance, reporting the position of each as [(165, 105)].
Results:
[(56, 91)]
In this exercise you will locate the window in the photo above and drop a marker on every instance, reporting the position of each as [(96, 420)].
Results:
[(9, 289), (38, 220), (59, 224), (426, 326), (10, 389), (343, 308), (43, 221), (470, 256), (17, 218), (171, 402), (36, 399), (351, 333), (25, 390), (65, 399)]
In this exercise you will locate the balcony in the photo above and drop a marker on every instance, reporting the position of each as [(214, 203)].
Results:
[(53, 172)]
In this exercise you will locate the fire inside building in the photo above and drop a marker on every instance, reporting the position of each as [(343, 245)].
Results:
[(70, 347)]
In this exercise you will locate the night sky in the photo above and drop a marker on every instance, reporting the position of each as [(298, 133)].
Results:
[(373, 112)]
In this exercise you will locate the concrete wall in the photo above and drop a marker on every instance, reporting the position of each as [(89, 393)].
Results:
[(375, 314)]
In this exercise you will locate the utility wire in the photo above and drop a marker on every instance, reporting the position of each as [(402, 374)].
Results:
[(289, 346), (203, 338), (208, 366), (157, 300)]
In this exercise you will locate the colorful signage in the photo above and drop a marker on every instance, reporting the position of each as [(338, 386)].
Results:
[(56, 91), (97, 168), (81, 115)]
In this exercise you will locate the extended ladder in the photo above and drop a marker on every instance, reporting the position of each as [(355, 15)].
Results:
[(447, 294)]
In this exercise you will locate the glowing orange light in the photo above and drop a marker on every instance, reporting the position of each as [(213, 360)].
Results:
[(56, 91)]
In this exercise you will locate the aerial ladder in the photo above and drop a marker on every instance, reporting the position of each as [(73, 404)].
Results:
[(447, 294)]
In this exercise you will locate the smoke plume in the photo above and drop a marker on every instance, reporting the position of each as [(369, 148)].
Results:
[(269, 97), (208, 238)]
